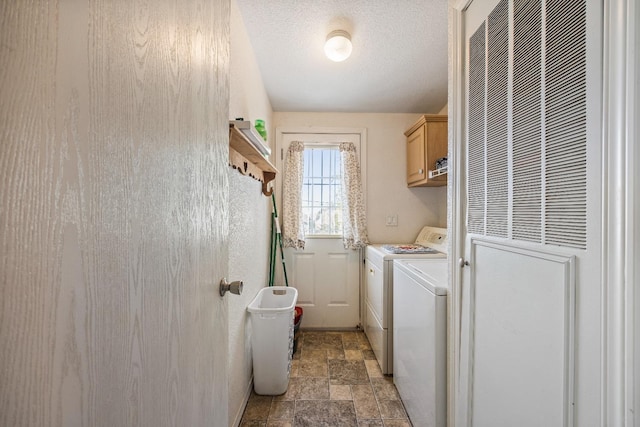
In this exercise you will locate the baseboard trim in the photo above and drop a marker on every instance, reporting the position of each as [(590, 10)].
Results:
[(247, 393)]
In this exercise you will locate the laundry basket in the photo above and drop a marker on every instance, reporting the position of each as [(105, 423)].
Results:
[(272, 312)]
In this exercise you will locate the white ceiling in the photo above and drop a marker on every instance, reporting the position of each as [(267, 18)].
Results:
[(398, 64)]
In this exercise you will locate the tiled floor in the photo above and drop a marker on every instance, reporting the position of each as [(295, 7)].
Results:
[(335, 381)]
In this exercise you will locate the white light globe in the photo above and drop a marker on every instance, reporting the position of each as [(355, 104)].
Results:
[(338, 45)]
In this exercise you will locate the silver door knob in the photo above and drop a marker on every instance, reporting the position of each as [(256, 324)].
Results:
[(463, 262), (233, 287)]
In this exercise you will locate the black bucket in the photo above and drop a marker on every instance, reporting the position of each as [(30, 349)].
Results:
[(297, 320)]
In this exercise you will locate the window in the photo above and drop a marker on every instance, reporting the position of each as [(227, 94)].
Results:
[(321, 191)]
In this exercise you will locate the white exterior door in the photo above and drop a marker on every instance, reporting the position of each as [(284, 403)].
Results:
[(531, 309), (326, 275)]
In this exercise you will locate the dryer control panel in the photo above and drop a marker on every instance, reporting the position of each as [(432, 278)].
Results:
[(433, 237)]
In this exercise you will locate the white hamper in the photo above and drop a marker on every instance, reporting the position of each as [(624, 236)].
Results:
[(272, 312)]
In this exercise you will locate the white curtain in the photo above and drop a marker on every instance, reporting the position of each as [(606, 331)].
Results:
[(292, 231), (354, 222)]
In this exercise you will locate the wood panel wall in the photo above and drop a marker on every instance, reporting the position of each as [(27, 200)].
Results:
[(113, 212)]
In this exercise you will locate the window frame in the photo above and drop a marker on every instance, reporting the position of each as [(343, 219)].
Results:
[(320, 146)]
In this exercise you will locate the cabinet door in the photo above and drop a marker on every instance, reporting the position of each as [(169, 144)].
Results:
[(416, 170), (436, 143)]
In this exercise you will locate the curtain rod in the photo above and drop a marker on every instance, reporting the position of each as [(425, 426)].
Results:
[(322, 143)]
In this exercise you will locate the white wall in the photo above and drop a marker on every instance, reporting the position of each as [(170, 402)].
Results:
[(249, 213), (387, 191), (248, 95)]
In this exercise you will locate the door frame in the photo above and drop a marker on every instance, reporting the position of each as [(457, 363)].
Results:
[(455, 208), (620, 325), (314, 130)]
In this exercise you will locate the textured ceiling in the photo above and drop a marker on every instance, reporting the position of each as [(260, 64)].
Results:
[(398, 64)]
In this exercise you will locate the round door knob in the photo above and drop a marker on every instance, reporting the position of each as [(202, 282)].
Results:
[(463, 262), (233, 287)]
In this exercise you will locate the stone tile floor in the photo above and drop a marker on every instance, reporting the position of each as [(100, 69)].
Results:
[(335, 381)]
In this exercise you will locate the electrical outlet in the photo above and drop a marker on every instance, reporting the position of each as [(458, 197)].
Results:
[(392, 220)]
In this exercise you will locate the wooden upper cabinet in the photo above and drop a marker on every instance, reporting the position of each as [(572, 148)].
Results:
[(426, 143)]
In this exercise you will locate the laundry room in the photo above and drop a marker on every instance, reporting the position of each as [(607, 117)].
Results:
[(398, 201), (293, 213), (522, 125)]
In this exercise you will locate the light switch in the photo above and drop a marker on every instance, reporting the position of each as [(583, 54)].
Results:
[(392, 220)]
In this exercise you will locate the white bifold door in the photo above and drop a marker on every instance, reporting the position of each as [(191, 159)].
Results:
[(530, 341)]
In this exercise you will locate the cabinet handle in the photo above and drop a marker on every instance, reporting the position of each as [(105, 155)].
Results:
[(421, 171), (371, 270)]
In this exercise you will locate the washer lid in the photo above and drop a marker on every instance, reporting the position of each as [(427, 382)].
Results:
[(431, 273)]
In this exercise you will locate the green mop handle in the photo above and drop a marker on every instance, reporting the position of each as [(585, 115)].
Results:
[(279, 238), (272, 250)]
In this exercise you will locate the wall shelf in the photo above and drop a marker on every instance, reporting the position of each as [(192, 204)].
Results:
[(438, 172), (246, 158)]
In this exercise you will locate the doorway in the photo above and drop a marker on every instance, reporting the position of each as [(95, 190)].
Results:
[(327, 276)]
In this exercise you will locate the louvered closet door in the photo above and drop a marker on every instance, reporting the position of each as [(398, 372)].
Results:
[(531, 304)]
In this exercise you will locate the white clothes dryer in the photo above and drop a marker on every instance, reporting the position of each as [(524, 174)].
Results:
[(420, 339)]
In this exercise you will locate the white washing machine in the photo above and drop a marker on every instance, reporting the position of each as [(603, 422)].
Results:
[(431, 243), (420, 339)]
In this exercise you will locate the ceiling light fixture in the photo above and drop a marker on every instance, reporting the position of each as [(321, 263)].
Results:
[(338, 45)]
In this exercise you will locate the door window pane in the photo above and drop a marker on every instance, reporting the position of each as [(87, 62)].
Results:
[(321, 191)]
